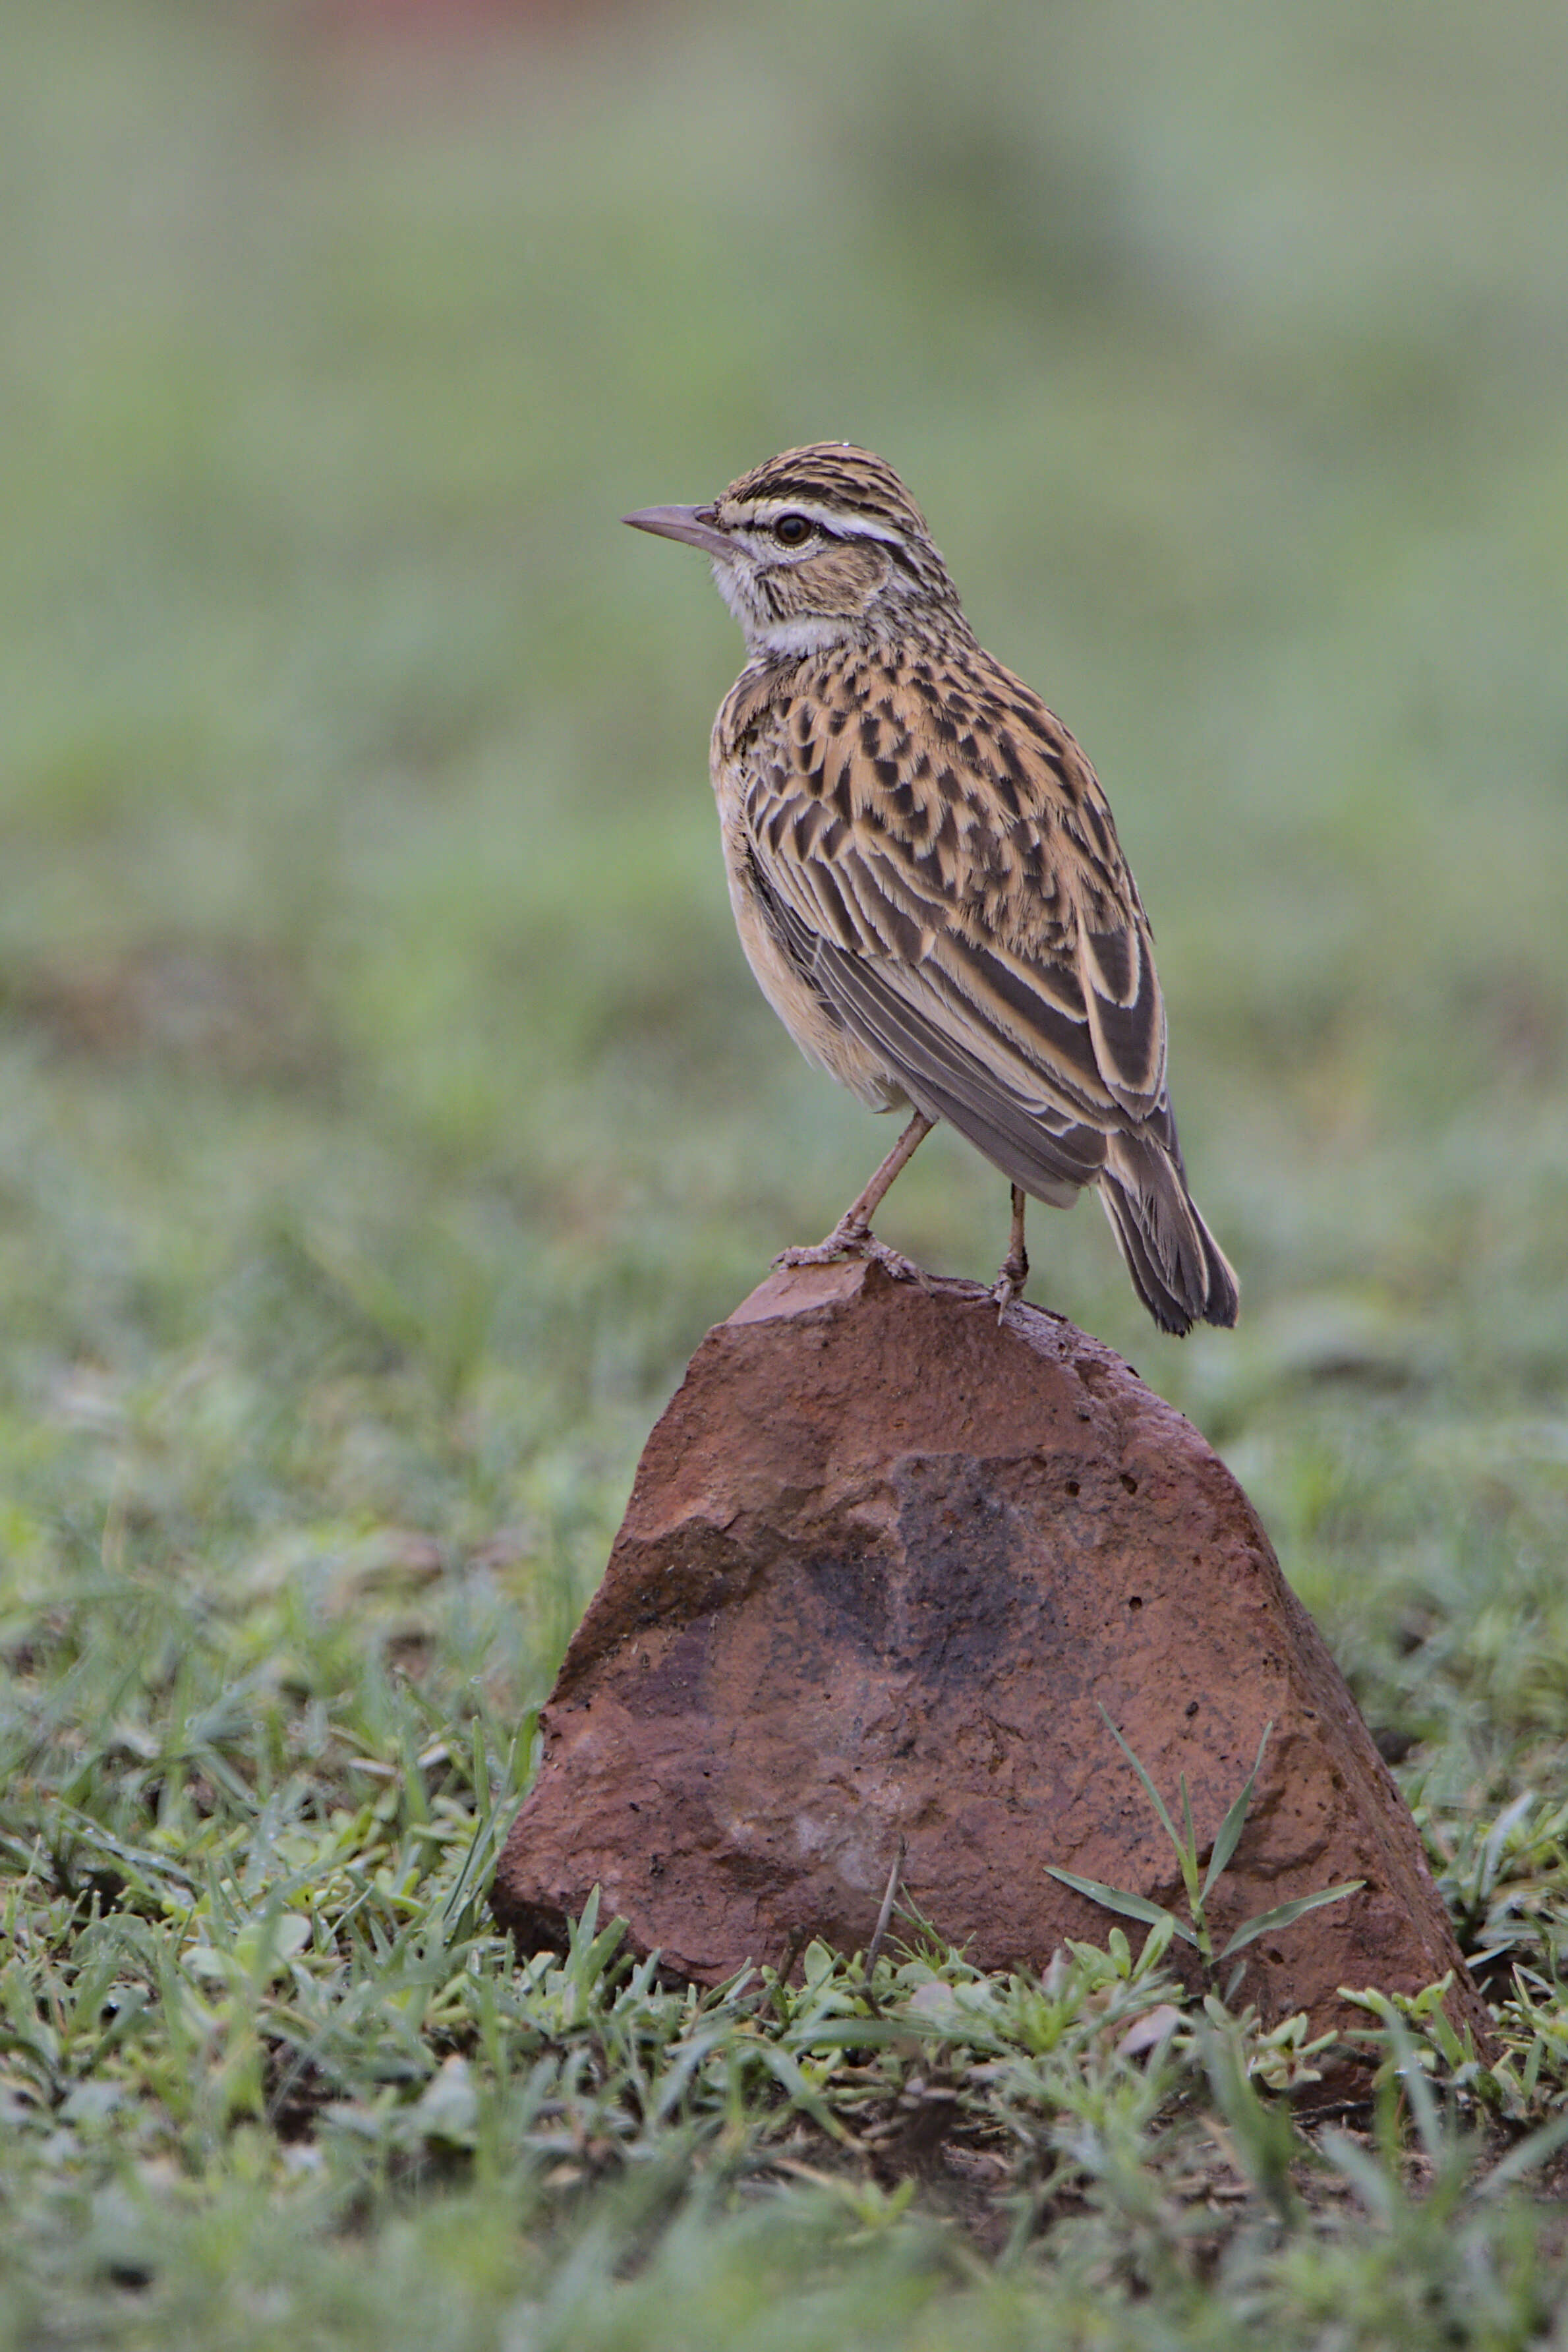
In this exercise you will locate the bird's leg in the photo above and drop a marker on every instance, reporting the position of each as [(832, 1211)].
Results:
[(1014, 1271), (853, 1236)]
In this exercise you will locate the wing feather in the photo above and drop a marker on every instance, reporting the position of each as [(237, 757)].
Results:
[(945, 1077), (976, 924)]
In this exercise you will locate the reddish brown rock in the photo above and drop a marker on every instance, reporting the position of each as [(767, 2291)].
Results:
[(884, 1561)]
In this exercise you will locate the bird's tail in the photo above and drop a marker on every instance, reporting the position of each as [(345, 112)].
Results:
[(1178, 1269)]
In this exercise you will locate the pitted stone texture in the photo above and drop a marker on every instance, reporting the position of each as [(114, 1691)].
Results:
[(884, 1561)]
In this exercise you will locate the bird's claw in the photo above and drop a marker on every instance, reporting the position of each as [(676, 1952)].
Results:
[(844, 1243), (1008, 1283)]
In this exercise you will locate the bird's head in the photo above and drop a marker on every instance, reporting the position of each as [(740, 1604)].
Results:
[(819, 547)]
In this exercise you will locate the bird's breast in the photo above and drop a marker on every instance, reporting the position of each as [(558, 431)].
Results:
[(789, 988)]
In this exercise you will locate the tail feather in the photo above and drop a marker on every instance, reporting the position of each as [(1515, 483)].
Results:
[(1178, 1269)]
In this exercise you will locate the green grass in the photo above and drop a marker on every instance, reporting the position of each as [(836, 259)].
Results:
[(386, 1109)]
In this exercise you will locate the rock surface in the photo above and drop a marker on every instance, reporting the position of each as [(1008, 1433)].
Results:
[(884, 1561)]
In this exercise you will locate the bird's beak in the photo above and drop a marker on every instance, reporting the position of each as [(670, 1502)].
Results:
[(686, 523)]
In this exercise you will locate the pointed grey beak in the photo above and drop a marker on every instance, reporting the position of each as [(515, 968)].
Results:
[(680, 522)]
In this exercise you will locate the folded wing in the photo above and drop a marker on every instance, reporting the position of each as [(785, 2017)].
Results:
[(976, 925)]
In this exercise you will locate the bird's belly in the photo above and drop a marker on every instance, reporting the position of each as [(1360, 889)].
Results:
[(812, 1024)]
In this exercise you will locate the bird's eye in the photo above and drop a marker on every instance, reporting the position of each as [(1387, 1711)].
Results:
[(792, 530)]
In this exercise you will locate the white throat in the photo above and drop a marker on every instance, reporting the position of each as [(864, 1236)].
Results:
[(793, 638), (785, 640)]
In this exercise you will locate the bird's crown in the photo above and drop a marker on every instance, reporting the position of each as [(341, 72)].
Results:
[(831, 482)]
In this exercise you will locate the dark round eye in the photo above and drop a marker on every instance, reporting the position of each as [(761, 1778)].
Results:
[(792, 530)]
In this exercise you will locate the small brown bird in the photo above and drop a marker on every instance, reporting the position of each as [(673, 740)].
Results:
[(926, 876)]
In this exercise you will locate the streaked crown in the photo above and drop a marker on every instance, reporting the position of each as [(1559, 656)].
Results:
[(834, 480)]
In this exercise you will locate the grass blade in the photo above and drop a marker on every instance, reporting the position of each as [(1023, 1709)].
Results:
[(1412, 2076), (1235, 1821), (1116, 1898), (1283, 1914), (1529, 2156), (1154, 1795), (1355, 2164)]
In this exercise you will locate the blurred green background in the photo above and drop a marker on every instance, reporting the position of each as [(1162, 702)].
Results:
[(384, 1106)]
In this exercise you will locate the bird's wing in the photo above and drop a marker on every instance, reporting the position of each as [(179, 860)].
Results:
[(945, 868)]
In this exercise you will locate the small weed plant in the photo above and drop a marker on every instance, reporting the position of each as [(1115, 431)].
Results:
[(1200, 1883)]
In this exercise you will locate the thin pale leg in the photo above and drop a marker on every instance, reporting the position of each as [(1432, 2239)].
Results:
[(853, 1236), (1014, 1271)]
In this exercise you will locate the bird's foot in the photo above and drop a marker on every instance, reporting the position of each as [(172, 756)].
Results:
[(850, 1239), (1009, 1282)]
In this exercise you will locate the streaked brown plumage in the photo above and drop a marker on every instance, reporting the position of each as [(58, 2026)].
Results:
[(925, 875)]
